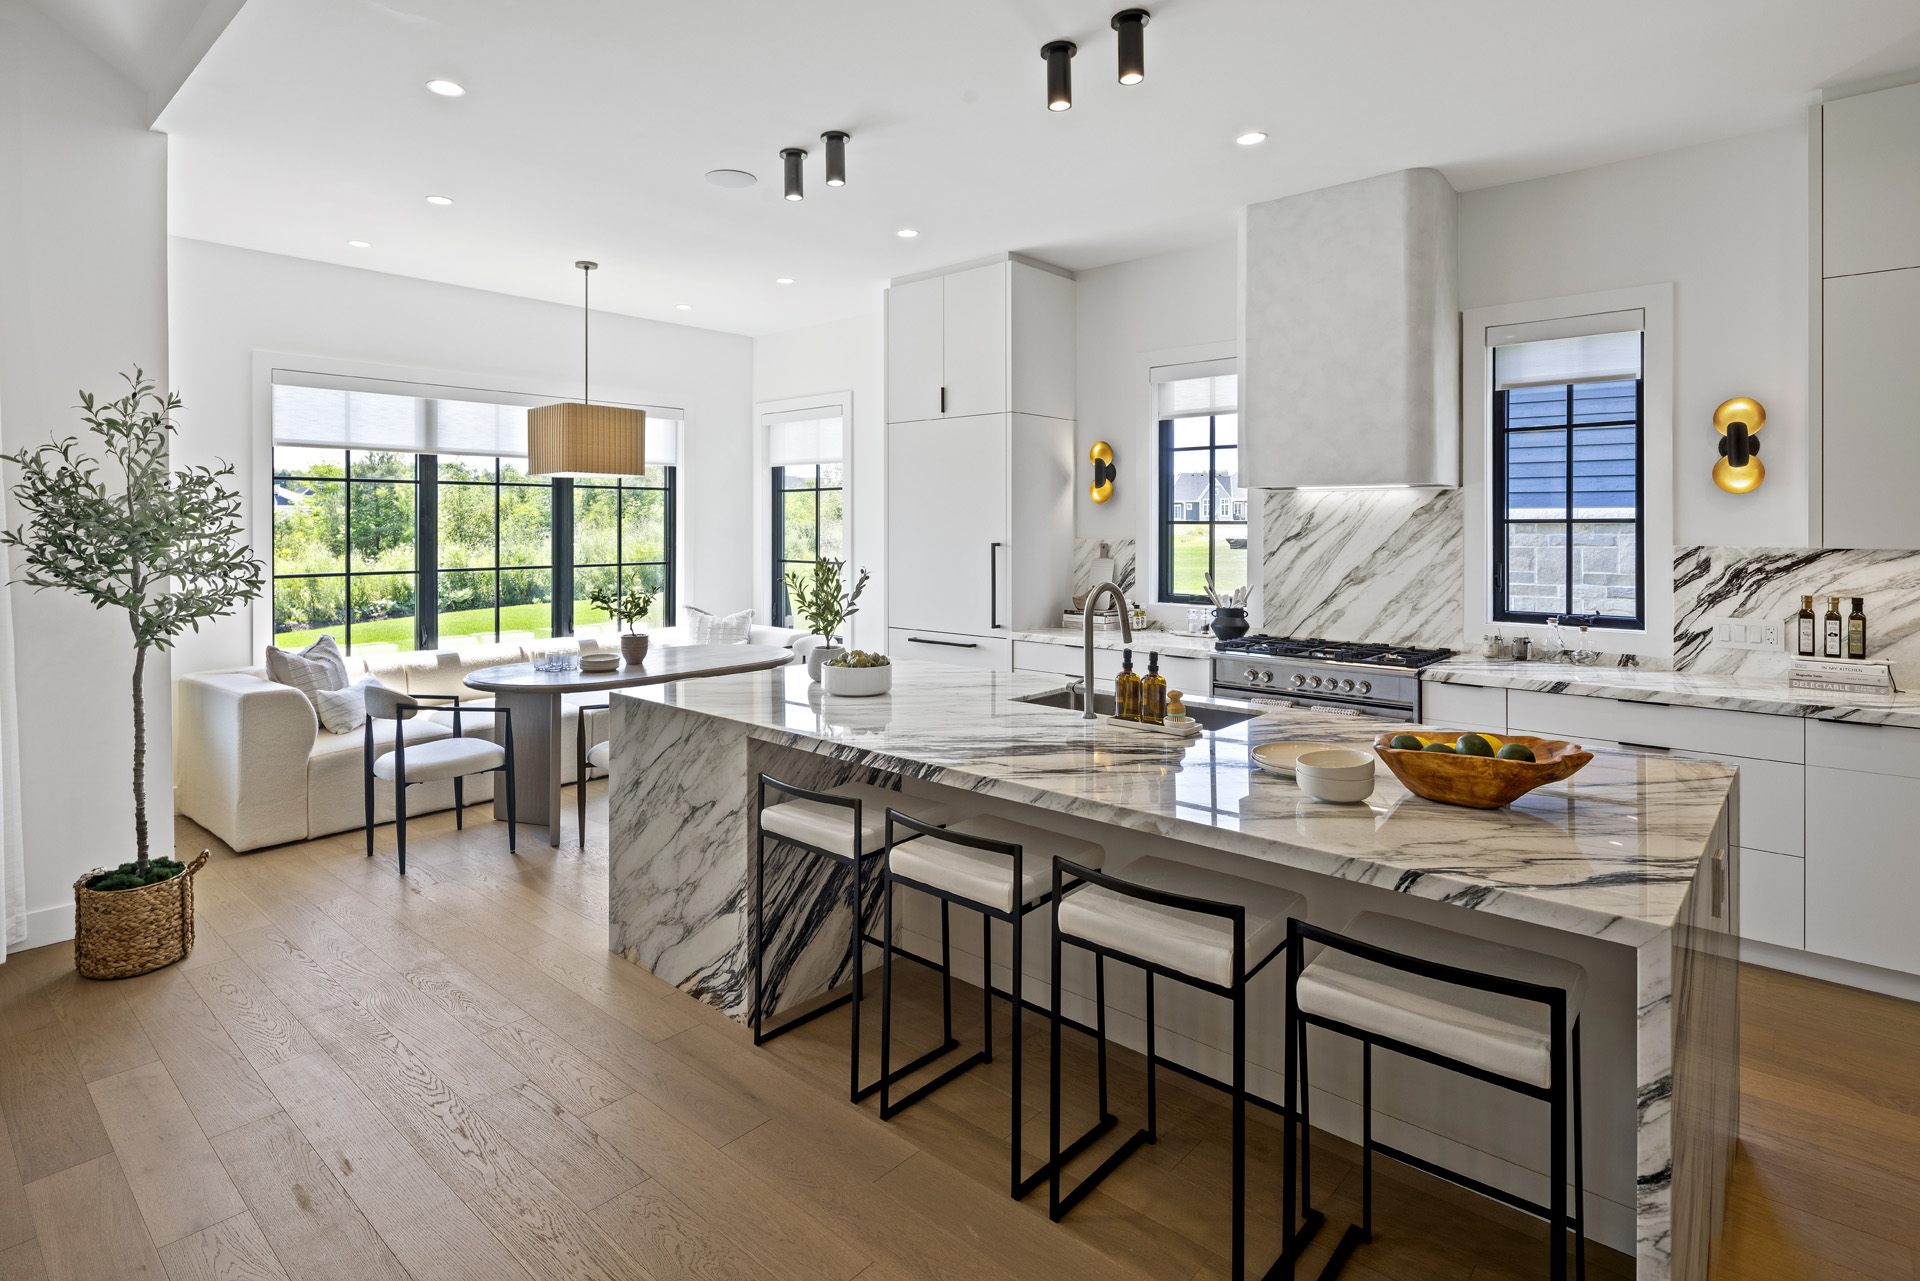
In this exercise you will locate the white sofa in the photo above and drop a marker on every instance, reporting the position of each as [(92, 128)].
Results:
[(254, 766)]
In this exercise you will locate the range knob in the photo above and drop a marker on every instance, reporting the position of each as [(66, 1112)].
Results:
[(1366, 687), (1252, 674), (1315, 682), (1266, 678), (1346, 687), (1298, 680)]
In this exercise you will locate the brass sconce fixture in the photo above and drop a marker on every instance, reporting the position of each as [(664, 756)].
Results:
[(1739, 421), (1104, 471)]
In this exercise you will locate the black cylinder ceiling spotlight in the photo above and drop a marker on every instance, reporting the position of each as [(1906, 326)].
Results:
[(793, 156), (1059, 56), (836, 140), (1132, 25)]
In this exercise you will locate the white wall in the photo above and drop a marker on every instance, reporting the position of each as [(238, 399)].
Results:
[(1726, 222), (1130, 316), (843, 356), (82, 298), (228, 303)]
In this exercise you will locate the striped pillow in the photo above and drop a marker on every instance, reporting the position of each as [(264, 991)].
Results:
[(311, 670)]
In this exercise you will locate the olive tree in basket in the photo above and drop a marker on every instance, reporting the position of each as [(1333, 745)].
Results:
[(169, 548)]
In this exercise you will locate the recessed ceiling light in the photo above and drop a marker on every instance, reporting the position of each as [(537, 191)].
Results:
[(683, 306), (439, 200), (906, 233), (359, 244), (1253, 139), (783, 280), (730, 178), (447, 88)]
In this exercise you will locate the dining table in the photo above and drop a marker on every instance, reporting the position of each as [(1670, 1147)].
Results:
[(535, 699)]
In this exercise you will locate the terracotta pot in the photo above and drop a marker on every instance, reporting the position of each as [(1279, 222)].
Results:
[(633, 648)]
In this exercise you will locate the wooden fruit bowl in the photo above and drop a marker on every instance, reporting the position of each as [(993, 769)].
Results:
[(1480, 782)]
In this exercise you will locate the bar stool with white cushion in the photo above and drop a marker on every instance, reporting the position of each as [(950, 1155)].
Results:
[(845, 825), (431, 760), (1487, 1010), (1207, 929), (977, 863)]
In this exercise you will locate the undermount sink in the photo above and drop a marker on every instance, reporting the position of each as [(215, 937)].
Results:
[(1104, 705)]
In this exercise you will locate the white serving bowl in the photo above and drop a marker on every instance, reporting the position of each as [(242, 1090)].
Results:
[(856, 682), (1336, 762), (1342, 791)]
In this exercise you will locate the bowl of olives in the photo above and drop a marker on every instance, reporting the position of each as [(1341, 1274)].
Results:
[(857, 674), (1482, 771)]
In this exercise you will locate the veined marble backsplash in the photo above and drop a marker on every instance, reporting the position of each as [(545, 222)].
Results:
[(1768, 582), (1364, 565), (1088, 550)]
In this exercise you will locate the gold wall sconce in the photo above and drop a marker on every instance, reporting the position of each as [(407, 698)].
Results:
[(1104, 470), (1739, 470)]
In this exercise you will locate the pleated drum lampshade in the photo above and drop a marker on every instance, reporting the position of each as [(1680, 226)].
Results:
[(586, 440)]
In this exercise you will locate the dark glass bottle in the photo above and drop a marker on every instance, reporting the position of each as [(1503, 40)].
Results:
[(1126, 689), (1857, 630), (1806, 630), (1153, 693), (1833, 636)]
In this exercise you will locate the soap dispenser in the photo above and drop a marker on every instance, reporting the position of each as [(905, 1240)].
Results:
[(1126, 689), (1153, 692)]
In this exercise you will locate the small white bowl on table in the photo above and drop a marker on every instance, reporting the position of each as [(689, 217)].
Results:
[(1338, 775), (856, 682)]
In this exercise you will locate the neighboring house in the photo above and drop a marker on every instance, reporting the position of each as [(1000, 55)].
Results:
[(1205, 497)]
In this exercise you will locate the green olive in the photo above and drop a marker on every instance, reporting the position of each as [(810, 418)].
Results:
[(1473, 745), (1439, 747), (1405, 743), (1515, 752)]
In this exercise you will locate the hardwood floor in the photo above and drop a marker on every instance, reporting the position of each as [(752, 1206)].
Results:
[(446, 1076)]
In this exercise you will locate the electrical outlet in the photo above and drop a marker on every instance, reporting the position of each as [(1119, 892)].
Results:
[(1746, 633)]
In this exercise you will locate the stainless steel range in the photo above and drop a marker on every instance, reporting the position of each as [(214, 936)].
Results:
[(1372, 680)]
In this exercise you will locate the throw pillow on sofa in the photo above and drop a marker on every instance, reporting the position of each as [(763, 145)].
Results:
[(344, 710), (317, 668), (716, 629)]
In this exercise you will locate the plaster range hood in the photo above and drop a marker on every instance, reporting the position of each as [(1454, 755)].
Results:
[(1350, 337)]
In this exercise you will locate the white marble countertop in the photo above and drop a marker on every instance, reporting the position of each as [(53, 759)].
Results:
[(1609, 852), (1185, 644), (1769, 695)]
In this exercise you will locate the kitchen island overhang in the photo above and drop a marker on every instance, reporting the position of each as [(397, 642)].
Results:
[(1635, 852)]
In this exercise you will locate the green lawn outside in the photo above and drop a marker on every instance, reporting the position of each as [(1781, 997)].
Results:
[(1190, 563), (536, 618)]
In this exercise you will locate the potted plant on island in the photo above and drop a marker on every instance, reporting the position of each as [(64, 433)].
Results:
[(170, 549), (857, 674), (825, 604), (627, 607)]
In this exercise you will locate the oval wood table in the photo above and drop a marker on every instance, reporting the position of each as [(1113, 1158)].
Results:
[(534, 698)]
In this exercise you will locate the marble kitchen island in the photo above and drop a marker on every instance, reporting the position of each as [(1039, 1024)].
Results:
[(1626, 868)]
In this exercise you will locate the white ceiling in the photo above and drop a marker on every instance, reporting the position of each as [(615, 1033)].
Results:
[(589, 123)]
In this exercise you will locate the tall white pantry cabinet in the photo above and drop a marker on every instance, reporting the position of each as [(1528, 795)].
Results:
[(980, 472)]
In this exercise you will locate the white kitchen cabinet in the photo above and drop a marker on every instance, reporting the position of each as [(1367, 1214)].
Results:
[(907, 644), (1863, 876), (1472, 707), (1773, 798), (947, 527), (1773, 898), (1870, 155), (991, 339), (1871, 382), (916, 360)]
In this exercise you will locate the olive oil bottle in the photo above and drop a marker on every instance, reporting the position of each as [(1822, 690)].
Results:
[(1833, 636), (1126, 689), (1805, 628), (1857, 630), (1153, 692)]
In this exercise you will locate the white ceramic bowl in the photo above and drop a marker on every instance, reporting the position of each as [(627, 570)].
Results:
[(1336, 762), (856, 682), (1343, 791), (1278, 757)]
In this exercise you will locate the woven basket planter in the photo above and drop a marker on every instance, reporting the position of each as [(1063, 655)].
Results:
[(121, 933)]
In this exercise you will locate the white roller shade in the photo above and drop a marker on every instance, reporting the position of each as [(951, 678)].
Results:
[(1589, 358), (798, 441), (465, 427), (1192, 390), (663, 438)]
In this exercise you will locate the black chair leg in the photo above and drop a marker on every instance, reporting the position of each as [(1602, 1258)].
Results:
[(513, 798), (460, 804), (367, 771), (400, 817), (986, 985), (1239, 1257), (759, 941), (856, 955), (1579, 1168)]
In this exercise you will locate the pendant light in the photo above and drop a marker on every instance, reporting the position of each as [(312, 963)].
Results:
[(793, 156), (1132, 25), (1059, 56), (836, 140), (586, 439)]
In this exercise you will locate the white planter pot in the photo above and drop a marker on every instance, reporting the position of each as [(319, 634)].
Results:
[(818, 655), (857, 682)]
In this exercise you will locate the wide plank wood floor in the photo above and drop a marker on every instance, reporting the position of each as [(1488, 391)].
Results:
[(446, 1076)]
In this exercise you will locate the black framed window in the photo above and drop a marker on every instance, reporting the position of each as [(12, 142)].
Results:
[(1203, 507), (809, 524), (493, 544), (1568, 503), (623, 536), (345, 547)]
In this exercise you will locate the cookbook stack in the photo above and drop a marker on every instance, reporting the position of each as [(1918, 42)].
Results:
[(1842, 675)]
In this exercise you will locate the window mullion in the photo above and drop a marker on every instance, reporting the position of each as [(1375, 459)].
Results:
[(426, 551)]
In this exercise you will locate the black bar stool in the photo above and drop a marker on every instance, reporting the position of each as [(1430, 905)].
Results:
[(1191, 924), (1492, 1012), (976, 863), (845, 825)]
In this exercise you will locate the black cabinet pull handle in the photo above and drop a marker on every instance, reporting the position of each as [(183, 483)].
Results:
[(993, 585), (943, 400), (928, 640)]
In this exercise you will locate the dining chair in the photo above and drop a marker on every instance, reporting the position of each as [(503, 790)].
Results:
[(430, 760)]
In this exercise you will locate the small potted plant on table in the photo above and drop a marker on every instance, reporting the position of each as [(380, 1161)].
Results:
[(825, 604), (857, 674), (170, 549), (627, 608)]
